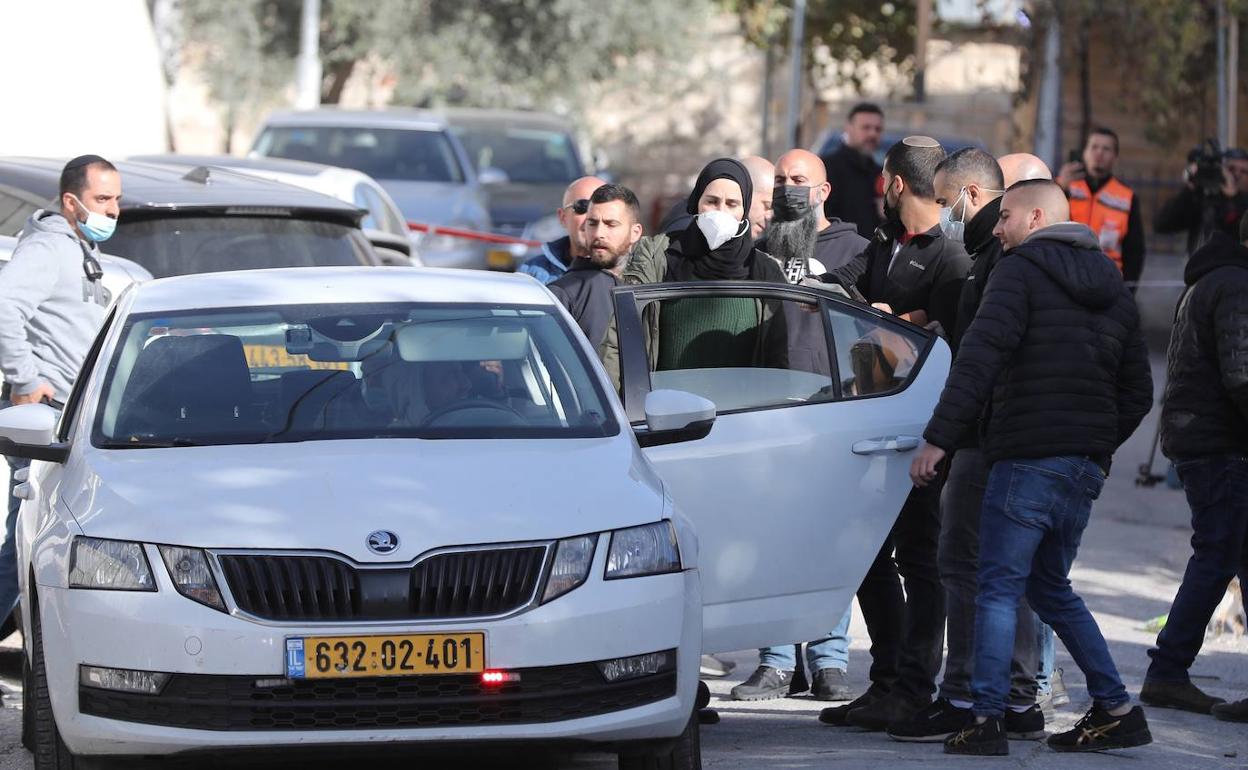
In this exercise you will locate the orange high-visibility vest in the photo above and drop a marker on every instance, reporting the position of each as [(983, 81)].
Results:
[(1107, 213)]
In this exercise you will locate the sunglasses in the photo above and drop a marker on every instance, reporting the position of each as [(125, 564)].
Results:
[(579, 207)]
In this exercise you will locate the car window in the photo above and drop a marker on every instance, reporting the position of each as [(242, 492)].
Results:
[(14, 211), (382, 153), (316, 372), (206, 244), (527, 155), (379, 216), (874, 357), (740, 352)]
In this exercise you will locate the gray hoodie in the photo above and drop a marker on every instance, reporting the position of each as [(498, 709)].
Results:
[(49, 311)]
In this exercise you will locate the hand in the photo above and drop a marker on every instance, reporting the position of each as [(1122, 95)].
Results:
[(1070, 172), (1188, 174), (887, 308), (44, 390), (923, 469), (916, 317)]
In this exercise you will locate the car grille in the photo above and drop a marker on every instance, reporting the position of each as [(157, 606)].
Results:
[(454, 584), (206, 702)]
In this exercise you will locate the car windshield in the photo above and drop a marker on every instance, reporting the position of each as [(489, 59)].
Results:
[(351, 371), (415, 155), (527, 155), (183, 245)]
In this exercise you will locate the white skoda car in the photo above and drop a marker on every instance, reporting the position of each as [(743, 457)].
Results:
[(333, 506)]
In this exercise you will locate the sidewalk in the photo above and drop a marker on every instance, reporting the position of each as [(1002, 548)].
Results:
[(1128, 570)]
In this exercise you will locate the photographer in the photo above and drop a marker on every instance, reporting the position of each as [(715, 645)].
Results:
[(1221, 184)]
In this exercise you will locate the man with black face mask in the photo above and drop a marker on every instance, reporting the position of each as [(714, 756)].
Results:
[(801, 236)]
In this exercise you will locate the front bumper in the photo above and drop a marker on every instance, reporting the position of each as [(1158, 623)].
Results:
[(219, 696)]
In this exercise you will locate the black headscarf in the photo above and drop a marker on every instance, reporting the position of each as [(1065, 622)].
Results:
[(689, 257)]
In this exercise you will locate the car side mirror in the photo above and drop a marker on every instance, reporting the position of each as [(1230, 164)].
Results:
[(29, 430), (673, 416), (491, 175)]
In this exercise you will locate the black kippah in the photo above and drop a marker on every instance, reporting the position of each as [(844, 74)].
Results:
[(84, 160)]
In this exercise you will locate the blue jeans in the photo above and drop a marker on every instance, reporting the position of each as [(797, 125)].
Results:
[(1048, 658), (1217, 491), (830, 652), (8, 551), (1035, 511)]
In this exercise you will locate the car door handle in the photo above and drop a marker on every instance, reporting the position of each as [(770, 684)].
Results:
[(883, 444)]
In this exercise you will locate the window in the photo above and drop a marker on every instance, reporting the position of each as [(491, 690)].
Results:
[(415, 155), (874, 357), (183, 245), (740, 352), (317, 372), (16, 207), (527, 155)]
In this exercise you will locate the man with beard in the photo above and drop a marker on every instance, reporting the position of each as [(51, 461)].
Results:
[(801, 236), (856, 193), (969, 185), (612, 227), (1101, 201), (557, 255)]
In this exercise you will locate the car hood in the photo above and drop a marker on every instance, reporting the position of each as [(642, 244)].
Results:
[(436, 203), (329, 495), (522, 204)]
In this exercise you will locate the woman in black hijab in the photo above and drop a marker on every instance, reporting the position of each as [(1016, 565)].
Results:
[(716, 245)]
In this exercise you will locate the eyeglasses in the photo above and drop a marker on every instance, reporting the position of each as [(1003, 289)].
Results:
[(579, 206)]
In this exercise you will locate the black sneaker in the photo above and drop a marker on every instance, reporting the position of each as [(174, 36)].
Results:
[(831, 684), (764, 684), (836, 714), (979, 739), (931, 725), (1184, 696), (1024, 725), (1099, 731), (881, 713), (1232, 712)]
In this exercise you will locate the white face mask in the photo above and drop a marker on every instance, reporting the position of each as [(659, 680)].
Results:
[(954, 231), (719, 227)]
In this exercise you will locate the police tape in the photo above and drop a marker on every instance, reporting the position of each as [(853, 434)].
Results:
[(472, 235)]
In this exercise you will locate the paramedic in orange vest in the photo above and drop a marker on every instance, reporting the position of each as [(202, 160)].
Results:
[(1100, 201)]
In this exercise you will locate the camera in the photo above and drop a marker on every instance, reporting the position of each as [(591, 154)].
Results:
[(1207, 178)]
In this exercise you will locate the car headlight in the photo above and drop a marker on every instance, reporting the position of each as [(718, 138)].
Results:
[(191, 575), (111, 565), (646, 550), (573, 558)]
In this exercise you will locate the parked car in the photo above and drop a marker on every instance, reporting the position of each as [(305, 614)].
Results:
[(537, 155), (383, 223), (356, 542), (411, 153), (203, 220), (832, 139)]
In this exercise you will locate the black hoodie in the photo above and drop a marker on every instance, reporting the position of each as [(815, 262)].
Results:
[(1205, 408), (1057, 347), (841, 251)]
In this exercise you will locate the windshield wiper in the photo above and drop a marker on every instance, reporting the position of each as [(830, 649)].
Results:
[(152, 444)]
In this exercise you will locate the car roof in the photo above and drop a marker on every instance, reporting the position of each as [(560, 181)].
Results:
[(282, 165), (153, 187), (413, 119), (331, 285), (490, 118)]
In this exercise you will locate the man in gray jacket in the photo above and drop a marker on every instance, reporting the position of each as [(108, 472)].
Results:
[(51, 307)]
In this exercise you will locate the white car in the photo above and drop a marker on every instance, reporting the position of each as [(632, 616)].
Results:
[(326, 506)]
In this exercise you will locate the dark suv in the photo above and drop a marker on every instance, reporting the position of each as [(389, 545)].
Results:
[(175, 222)]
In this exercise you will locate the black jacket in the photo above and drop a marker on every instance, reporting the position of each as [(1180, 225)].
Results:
[(1205, 409), (1184, 212), (1057, 346), (984, 250), (926, 274), (855, 182)]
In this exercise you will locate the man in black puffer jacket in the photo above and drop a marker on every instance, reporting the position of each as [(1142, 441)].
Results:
[(1057, 347), (1204, 429)]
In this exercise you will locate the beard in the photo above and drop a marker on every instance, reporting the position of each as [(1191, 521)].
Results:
[(793, 243), (609, 256)]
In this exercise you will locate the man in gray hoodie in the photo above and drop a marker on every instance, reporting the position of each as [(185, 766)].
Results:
[(51, 308)]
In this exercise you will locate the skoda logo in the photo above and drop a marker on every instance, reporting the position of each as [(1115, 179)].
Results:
[(382, 542)]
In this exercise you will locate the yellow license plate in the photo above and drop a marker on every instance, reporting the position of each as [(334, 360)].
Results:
[(326, 657), (499, 259)]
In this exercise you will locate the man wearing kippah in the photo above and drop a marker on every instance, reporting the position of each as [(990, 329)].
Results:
[(51, 308)]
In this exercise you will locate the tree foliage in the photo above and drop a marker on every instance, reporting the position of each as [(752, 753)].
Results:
[(855, 33)]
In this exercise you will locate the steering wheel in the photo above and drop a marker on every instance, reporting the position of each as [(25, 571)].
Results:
[(514, 417)]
